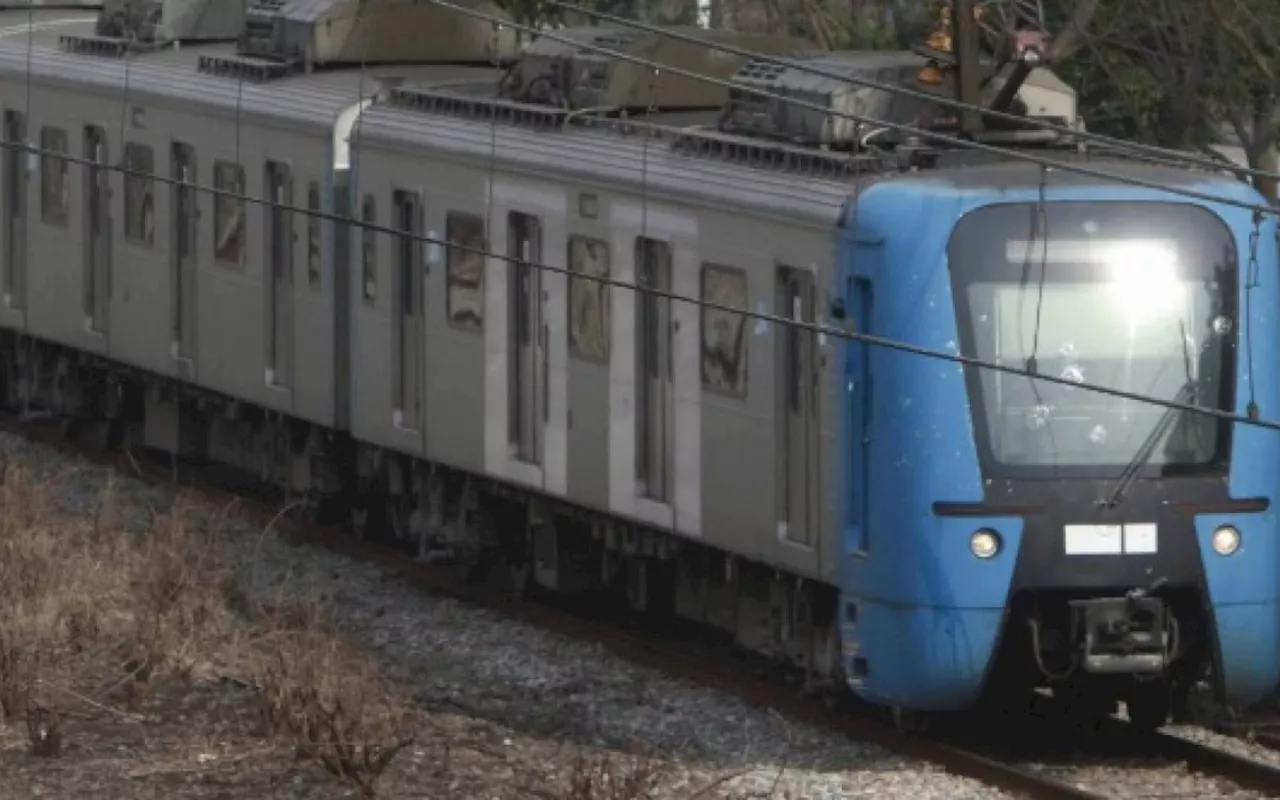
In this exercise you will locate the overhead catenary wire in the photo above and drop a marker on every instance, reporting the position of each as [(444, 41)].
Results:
[(913, 130), (747, 313), (1158, 154)]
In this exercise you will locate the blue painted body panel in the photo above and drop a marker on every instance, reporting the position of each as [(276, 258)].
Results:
[(923, 612)]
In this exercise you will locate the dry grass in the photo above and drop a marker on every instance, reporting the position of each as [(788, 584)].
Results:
[(331, 703), (91, 604), (609, 777), (103, 620)]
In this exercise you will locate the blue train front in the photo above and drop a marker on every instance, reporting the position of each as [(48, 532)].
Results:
[(1003, 533)]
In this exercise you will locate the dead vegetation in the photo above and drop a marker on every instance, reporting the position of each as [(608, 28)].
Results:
[(104, 620), (613, 778), (93, 615)]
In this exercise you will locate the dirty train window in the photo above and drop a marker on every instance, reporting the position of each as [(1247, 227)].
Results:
[(314, 265), (55, 186), (369, 249), (465, 271), (139, 194), (229, 214), (724, 333), (589, 298)]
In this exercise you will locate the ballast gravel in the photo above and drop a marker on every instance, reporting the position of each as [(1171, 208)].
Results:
[(520, 705), (508, 710)]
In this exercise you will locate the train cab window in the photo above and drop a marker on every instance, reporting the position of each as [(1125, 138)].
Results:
[(724, 333), (464, 271), (55, 181), (228, 214), (589, 298), (314, 265), (139, 194), (369, 248)]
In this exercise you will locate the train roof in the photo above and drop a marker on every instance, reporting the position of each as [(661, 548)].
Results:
[(172, 73), (457, 110), (1146, 179)]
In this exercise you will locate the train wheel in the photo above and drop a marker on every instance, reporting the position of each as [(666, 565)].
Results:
[(518, 555), (907, 720), (1081, 704), (518, 577), (1149, 704)]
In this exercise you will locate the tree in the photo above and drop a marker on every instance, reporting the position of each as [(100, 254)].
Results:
[(1174, 72), (1248, 49)]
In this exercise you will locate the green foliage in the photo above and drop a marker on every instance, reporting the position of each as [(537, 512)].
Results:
[(1173, 72)]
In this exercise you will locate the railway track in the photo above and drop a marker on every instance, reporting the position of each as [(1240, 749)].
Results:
[(1114, 761), (1089, 768)]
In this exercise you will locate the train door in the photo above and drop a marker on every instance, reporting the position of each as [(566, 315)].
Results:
[(97, 229), (408, 316), (183, 297), (279, 274), (797, 404), (528, 338), (654, 368), (15, 210)]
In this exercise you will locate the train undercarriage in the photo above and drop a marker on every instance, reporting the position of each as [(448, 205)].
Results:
[(1086, 651), (432, 512), (1149, 648)]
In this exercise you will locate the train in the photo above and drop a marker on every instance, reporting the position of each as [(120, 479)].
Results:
[(386, 257)]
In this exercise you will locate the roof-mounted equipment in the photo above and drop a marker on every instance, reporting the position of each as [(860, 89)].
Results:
[(996, 54), (282, 37), (140, 26), (570, 72), (748, 113)]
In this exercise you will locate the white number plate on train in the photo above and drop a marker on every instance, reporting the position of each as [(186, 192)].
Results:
[(1102, 540)]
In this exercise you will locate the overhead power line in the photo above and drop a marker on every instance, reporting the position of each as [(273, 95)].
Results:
[(747, 313), (913, 130), (1159, 154)]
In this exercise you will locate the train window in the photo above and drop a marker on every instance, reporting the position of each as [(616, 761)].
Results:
[(724, 333), (314, 265), (589, 298), (55, 183), (139, 194), (464, 270), (369, 248), (228, 213)]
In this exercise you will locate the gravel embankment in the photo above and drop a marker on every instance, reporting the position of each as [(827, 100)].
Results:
[(502, 710), (1131, 779)]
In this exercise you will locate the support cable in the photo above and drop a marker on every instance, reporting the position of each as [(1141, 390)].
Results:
[(1159, 155), (912, 130), (773, 319)]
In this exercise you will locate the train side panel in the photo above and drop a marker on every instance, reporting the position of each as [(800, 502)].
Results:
[(769, 484), (682, 432)]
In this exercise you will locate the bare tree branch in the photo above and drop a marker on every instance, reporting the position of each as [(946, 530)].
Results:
[(1065, 45), (1228, 24)]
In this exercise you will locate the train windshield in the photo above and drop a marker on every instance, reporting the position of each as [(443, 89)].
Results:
[(1136, 297)]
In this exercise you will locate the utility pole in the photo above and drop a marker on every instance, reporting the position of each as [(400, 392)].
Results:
[(964, 36)]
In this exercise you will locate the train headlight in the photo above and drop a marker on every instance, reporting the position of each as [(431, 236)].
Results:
[(1226, 540), (985, 544)]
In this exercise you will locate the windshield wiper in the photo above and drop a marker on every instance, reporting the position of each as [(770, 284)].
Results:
[(1186, 394), (1148, 446)]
